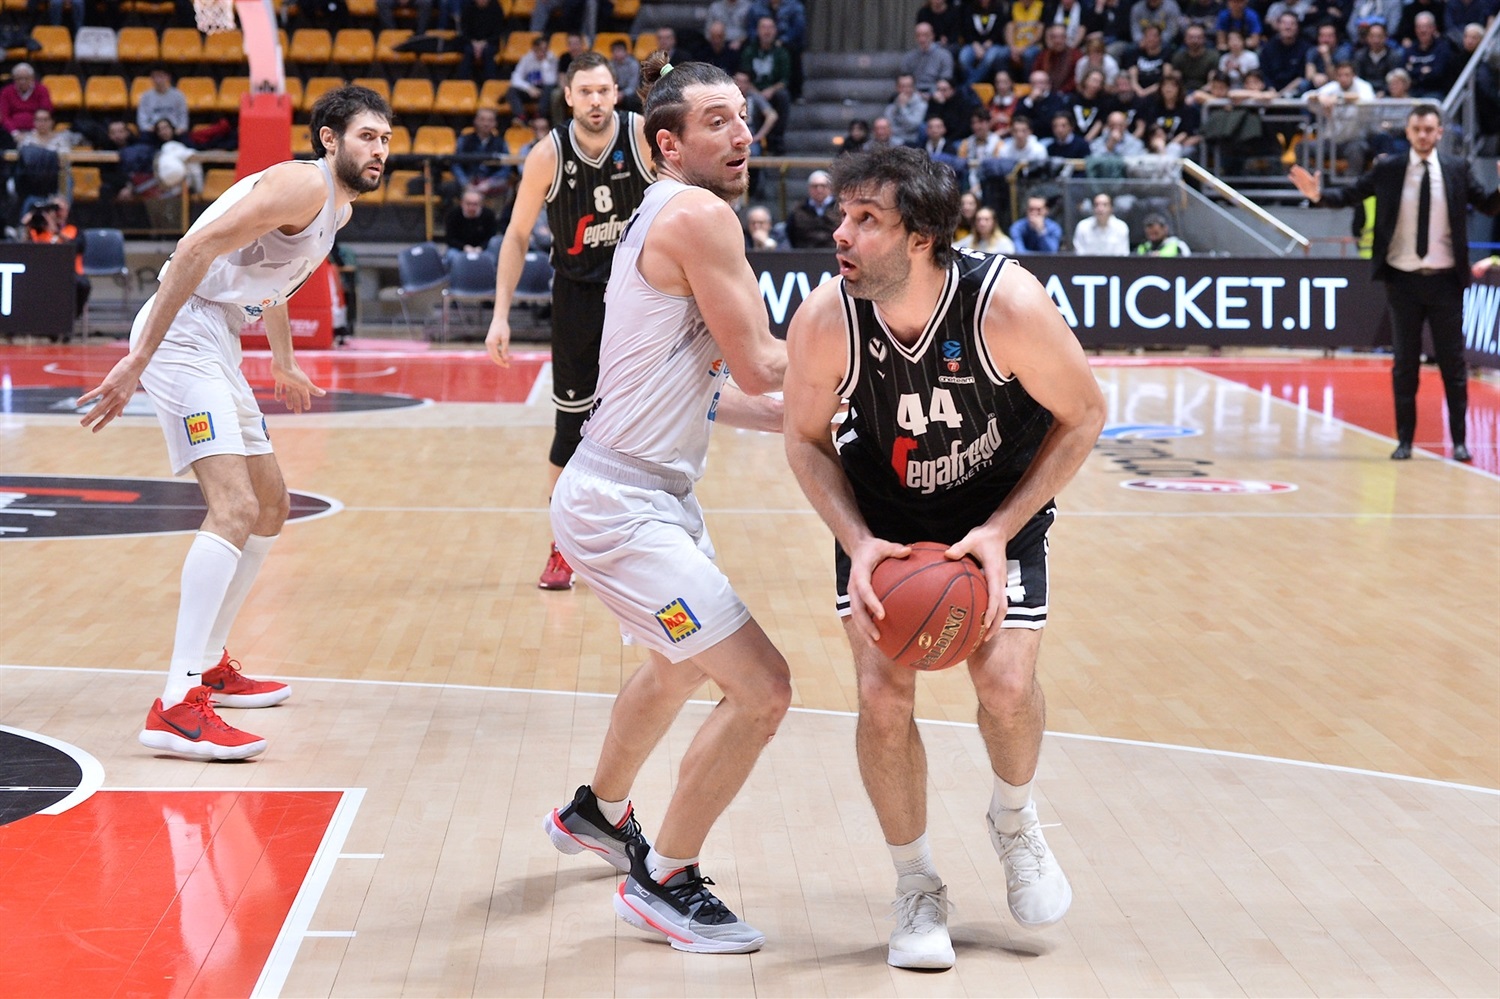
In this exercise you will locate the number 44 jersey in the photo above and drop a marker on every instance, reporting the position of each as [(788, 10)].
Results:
[(591, 200), (936, 435)]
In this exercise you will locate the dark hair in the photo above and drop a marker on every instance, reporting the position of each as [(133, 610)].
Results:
[(926, 191), (662, 88), (339, 106), (1425, 109), (585, 61)]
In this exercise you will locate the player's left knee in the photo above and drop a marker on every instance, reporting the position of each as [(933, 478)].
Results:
[(1005, 687)]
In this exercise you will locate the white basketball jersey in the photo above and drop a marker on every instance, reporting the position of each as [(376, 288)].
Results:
[(264, 273), (660, 370)]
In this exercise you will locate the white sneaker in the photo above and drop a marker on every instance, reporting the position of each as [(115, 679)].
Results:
[(1039, 891), (920, 939)]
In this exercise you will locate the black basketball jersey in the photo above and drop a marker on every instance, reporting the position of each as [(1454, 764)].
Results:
[(936, 436), (591, 200)]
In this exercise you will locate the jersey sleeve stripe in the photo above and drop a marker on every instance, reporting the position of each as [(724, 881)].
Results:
[(557, 171), (986, 290), (851, 327)]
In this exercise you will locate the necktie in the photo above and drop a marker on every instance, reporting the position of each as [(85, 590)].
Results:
[(1424, 209)]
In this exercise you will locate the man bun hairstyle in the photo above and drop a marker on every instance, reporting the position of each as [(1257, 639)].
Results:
[(341, 105), (662, 88), (926, 192)]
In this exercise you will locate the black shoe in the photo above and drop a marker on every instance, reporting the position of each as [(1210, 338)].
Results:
[(580, 826), (683, 910), (1402, 452), (1461, 453)]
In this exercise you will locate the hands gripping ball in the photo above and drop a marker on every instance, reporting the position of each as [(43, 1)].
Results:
[(934, 607)]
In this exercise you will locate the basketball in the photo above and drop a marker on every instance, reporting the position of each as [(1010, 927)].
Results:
[(934, 607)]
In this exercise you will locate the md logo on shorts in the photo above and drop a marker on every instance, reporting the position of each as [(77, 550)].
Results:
[(677, 620), (200, 427)]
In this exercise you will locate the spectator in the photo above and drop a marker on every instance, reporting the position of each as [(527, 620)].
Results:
[(533, 79), (1037, 232), (1160, 144), (1284, 58), (791, 31), (48, 223), (1238, 16), (628, 75), (1023, 34), (811, 224), (1203, 13), (1469, 45), (1091, 104), (581, 16), (1461, 15), (21, 98), (856, 138), (470, 224), (666, 41), (1431, 60), (163, 100), (1076, 20), (940, 148), (1326, 52), (573, 47), (968, 207), (1111, 18), (1171, 111), (1406, 31), (986, 237), (1300, 9), (982, 144), (1333, 104), (1003, 104), (1058, 60), (947, 20), (1237, 60), (1363, 13), (770, 68), (761, 118), (1021, 146), (953, 106), (1195, 60), (1041, 104), (1159, 240), (386, 11), (113, 177), (1066, 143), (1101, 234), (55, 10), (716, 50), (928, 62), (1116, 139), (1377, 56), (476, 157), (760, 234), (1125, 100), (1096, 58), (483, 24), (734, 15), (540, 126), (44, 133), (982, 49), (881, 136), (1163, 15), (1147, 63), (906, 112)]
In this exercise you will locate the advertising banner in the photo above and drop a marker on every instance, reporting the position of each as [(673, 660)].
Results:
[(1482, 320), (36, 289)]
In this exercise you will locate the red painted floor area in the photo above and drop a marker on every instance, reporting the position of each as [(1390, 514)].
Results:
[(153, 893)]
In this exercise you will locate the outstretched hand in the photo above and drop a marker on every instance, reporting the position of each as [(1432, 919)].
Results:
[(1310, 184), (111, 395), (293, 387)]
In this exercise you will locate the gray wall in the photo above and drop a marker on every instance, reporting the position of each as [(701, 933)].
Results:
[(860, 25)]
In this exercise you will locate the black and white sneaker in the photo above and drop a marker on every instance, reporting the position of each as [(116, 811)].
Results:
[(580, 826), (683, 910)]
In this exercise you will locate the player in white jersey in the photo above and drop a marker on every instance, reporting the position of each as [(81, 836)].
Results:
[(682, 304), (248, 253)]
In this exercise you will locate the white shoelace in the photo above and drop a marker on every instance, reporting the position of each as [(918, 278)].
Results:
[(922, 911)]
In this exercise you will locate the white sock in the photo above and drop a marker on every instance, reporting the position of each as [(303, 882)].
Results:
[(613, 811), (251, 558), (1006, 804), (914, 858), (206, 574), (661, 868)]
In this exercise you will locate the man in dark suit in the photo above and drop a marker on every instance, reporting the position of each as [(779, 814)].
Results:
[(1421, 252)]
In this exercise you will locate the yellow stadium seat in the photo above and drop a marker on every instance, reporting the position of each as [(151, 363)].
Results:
[(354, 47), (56, 43), (361, 8), (86, 183), (492, 94), (605, 39), (293, 92), (379, 84), (516, 136), (626, 10), (385, 46), (434, 140), (301, 140), (138, 87), (450, 58), (202, 93), (232, 88), (317, 87), (66, 91), (645, 44), (400, 141), (517, 44), (395, 189), (106, 93), (984, 91), (138, 45), (215, 183), (375, 197), (181, 45), (520, 8), (224, 48), (558, 43), (456, 97), (412, 96), (311, 46)]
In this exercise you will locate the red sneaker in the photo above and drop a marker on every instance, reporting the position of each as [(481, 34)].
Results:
[(194, 729), (232, 689), (558, 575)]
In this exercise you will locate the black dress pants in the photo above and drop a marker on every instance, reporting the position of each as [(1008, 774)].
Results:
[(1437, 300)]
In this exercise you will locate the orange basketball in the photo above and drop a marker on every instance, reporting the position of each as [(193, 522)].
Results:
[(934, 607)]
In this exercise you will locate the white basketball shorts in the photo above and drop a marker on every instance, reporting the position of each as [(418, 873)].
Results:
[(201, 397), (634, 532)]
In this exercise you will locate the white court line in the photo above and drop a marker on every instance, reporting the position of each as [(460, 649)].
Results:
[(344, 934), (480, 688), (91, 776), (538, 393), (295, 929)]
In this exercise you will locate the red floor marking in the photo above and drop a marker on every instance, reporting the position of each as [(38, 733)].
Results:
[(440, 375), (154, 893)]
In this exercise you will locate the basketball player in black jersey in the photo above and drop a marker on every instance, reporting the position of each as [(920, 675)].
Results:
[(970, 405), (591, 174)]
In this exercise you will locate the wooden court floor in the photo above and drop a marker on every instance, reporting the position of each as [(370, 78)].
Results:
[(1272, 669)]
